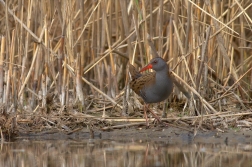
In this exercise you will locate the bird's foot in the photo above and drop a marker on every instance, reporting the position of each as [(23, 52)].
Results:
[(157, 118)]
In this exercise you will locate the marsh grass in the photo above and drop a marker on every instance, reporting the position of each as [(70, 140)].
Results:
[(63, 64)]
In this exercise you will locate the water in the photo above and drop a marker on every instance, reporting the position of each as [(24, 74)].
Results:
[(110, 153)]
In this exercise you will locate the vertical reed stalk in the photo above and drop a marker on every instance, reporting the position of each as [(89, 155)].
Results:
[(3, 40), (79, 85)]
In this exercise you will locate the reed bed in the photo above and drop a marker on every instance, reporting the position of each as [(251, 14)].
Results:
[(64, 64)]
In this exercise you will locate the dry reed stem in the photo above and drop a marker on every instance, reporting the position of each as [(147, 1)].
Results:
[(231, 21), (235, 84), (32, 65), (79, 84), (182, 51), (203, 62), (160, 27), (95, 88), (213, 17), (18, 20), (3, 41), (195, 92)]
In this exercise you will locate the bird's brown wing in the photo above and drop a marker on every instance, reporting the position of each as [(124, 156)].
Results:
[(139, 83)]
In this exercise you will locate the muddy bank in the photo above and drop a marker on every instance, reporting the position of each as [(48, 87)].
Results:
[(170, 135)]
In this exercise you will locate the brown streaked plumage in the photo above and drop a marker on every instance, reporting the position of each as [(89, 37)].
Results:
[(139, 83)]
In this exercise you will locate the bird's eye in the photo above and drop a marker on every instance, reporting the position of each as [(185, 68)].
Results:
[(155, 62)]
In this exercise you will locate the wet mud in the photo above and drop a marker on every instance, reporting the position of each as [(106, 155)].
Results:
[(170, 135)]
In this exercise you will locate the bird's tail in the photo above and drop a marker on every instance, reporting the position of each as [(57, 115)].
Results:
[(133, 72)]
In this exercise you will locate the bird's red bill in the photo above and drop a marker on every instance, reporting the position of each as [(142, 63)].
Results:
[(149, 66)]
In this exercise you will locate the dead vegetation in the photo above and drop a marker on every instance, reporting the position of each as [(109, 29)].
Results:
[(63, 64)]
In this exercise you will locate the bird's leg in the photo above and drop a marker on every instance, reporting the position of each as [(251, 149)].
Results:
[(154, 115), (145, 115)]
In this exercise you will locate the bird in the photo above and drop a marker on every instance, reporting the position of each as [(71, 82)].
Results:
[(152, 87)]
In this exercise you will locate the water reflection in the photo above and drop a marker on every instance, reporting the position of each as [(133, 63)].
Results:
[(94, 153)]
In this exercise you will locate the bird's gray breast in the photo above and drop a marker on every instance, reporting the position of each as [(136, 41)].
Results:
[(157, 92)]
